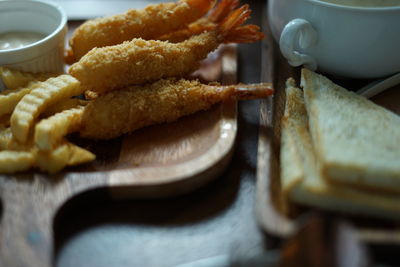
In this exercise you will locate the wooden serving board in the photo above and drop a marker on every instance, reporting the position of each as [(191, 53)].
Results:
[(157, 161), (270, 209)]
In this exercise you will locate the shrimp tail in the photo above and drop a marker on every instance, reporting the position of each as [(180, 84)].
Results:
[(230, 29), (206, 23), (202, 5), (222, 9), (184, 98), (245, 34), (246, 91)]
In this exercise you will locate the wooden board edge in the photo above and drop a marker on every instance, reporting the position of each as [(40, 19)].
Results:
[(192, 174)]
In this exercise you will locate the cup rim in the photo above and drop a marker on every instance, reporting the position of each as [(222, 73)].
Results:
[(338, 6), (48, 37)]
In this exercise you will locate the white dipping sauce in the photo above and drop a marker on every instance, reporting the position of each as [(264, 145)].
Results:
[(18, 39)]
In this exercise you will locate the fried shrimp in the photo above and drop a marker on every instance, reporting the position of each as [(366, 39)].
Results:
[(123, 111), (148, 23), (140, 61)]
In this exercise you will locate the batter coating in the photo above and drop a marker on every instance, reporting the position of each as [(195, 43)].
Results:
[(141, 61), (148, 23), (123, 111)]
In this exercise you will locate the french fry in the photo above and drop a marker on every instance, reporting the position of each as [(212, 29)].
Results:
[(15, 161), (54, 160), (79, 155), (7, 142), (32, 104), (14, 79), (10, 98), (5, 138), (17, 156), (64, 155), (15, 145), (49, 132)]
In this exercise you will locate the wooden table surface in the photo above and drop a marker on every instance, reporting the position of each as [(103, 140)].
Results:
[(94, 230)]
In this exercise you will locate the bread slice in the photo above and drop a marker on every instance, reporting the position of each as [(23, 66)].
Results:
[(356, 141), (301, 175), (292, 172)]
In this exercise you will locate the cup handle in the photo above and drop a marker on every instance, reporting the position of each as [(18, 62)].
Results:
[(301, 31)]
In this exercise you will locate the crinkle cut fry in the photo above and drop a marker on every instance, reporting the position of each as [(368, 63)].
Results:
[(149, 23), (66, 154), (32, 104), (10, 98), (123, 111), (15, 161), (5, 138), (49, 132), (14, 79)]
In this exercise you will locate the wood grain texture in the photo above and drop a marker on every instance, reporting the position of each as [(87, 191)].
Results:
[(157, 161), (272, 214)]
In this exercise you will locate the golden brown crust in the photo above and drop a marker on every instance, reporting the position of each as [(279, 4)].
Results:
[(148, 23), (123, 111), (140, 61)]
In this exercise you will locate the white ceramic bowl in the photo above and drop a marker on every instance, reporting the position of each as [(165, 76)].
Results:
[(353, 42), (45, 55)]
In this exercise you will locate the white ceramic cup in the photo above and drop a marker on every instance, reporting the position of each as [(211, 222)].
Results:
[(45, 55), (344, 41)]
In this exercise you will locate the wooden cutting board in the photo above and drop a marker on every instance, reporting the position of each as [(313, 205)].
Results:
[(157, 161), (269, 207)]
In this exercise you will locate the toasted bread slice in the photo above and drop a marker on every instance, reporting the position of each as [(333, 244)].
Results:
[(356, 141), (292, 171), (301, 174)]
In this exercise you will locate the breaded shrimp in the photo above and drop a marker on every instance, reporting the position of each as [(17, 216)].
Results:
[(148, 23), (207, 23), (123, 111), (140, 61)]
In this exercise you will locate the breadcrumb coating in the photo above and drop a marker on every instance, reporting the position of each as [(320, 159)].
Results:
[(141, 61), (148, 23), (123, 111)]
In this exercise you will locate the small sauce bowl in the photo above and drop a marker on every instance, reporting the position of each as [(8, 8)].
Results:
[(44, 55)]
